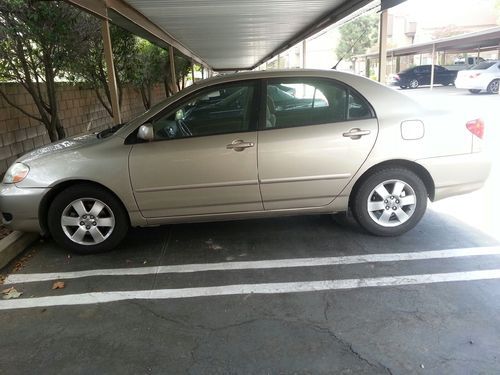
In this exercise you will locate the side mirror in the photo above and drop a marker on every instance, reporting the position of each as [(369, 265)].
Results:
[(146, 133)]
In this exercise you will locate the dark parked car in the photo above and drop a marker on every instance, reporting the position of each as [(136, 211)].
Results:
[(421, 75)]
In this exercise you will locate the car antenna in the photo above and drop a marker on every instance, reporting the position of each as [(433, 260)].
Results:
[(349, 50)]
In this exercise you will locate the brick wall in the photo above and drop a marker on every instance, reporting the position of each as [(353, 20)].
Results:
[(77, 108)]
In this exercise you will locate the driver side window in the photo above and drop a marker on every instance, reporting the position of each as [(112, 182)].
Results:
[(220, 110)]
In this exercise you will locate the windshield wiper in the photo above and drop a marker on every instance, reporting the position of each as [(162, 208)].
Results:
[(107, 132)]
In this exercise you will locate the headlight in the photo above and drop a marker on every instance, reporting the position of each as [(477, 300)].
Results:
[(16, 173)]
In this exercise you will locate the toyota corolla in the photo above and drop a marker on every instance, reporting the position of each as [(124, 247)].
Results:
[(249, 145)]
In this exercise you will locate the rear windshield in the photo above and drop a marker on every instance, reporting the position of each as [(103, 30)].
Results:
[(483, 65)]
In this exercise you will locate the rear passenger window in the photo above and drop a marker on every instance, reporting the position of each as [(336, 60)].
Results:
[(306, 102), (358, 107)]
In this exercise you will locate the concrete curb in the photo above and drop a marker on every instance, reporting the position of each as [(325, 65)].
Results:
[(14, 244)]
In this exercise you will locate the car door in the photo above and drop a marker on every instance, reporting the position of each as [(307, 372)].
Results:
[(442, 75), (311, 147), (203, 159), (423, 74)]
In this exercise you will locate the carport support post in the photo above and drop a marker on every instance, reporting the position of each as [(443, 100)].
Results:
[(304, 53), (113, 86), (382, 48), (432, 65), (192, 71), (172, 69)]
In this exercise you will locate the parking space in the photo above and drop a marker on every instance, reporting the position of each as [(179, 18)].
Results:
[(311, 294)]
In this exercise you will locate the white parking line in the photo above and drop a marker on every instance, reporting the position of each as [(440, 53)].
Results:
[(260, 264), (227, 290)]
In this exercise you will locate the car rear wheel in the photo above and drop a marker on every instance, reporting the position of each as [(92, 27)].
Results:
[(493, 86), (474, 91), (390, 202), (413, 84), (87, 219)]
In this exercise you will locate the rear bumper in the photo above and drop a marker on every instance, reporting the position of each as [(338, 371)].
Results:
[(464, 83), (19, 207), (457, 174)]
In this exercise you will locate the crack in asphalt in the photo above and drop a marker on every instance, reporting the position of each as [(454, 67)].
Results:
[(310, 324)]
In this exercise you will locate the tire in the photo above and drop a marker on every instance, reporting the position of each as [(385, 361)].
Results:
[(493, 86), (87, 219), (413, 84), (398, 212), (403, 87), (474, 91)]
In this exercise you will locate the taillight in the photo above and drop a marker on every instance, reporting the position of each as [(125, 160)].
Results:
[(396, 76), (476, 127)]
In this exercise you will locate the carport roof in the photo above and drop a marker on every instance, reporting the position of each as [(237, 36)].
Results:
[(488, 39), (225, 35)]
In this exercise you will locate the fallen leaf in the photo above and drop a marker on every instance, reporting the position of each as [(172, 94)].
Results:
[(58, 285), (11, 293)]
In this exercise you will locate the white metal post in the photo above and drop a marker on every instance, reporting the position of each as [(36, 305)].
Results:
[(304, 54), (110, 67), (432, 65), (192, 71), (382, 48), (172, 69)]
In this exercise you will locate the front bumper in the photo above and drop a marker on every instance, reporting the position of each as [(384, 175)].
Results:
[(19, 207)]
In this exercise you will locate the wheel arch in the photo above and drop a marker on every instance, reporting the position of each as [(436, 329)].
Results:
[(43, 209), (416, 168)]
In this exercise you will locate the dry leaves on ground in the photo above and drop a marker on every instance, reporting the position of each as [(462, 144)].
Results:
[(10, 293), (58, 285)]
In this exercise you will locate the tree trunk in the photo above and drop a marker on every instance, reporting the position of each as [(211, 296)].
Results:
[(56, 130), (146, 96)]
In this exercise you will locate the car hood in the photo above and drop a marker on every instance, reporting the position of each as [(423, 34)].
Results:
[(65, 145)]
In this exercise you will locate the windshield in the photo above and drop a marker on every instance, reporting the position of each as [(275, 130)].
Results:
[(484, 65)]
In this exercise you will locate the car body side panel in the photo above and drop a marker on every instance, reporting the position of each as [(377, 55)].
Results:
[(308, 166), (104, 162), (196, 175), (451, 180)]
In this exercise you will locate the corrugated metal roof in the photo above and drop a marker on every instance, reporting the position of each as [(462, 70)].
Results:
[(241, 34)]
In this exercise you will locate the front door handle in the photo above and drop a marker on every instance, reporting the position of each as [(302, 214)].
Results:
[(356, 133), (239, 145)]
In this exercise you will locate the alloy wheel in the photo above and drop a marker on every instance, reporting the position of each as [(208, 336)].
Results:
[(87, 221), (391, 203)]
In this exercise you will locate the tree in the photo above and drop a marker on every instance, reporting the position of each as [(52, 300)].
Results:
[(36, 44), (182, 69), (357, 36), (150, 69), (90, 68)]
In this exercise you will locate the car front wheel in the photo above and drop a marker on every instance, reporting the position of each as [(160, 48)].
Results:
[(390, 202), (87, 219)]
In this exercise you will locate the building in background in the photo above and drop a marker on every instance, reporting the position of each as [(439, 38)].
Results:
[(412, 22)]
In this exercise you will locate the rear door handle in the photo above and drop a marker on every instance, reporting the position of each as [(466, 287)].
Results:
[(356, 133), (239, 145)]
